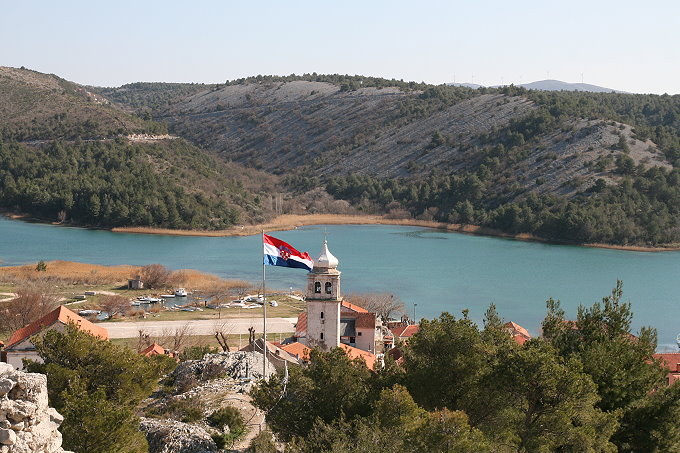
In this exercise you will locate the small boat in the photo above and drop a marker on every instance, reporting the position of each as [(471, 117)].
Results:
[(293, 296), (273, 303), (135, 304), (148, 300), (167, 296), (181, 292), (89, 312)]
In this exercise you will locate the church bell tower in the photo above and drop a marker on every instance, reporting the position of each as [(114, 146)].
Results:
[(323, 301)]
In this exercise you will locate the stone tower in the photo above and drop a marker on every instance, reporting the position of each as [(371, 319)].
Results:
[(323, 302)]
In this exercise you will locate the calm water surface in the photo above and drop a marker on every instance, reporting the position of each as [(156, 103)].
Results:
[(437, 270)]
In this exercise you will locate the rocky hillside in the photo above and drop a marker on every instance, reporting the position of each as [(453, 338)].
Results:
[(43, 106), (389, 132), (69, 155), (573, 166)]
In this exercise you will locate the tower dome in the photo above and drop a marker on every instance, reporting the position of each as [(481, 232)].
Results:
[(326, 259)]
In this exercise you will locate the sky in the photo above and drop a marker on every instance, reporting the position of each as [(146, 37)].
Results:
[(625, 45)]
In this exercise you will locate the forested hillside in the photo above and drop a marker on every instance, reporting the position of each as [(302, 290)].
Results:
[(570, 166), (69, 155)]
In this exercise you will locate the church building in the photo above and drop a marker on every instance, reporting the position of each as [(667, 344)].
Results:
[(330, 321)]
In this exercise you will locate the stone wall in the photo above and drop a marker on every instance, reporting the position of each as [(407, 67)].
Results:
[(27, 424)]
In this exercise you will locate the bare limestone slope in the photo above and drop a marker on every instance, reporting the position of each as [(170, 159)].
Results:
[(280, 127)]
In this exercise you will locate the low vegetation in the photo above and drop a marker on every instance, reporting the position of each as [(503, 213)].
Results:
[(97, 386), (587, 385)]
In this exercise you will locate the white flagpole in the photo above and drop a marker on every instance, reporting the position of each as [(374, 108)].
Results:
[(264, 306)]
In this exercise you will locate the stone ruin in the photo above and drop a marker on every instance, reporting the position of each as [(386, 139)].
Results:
[(27, 424)]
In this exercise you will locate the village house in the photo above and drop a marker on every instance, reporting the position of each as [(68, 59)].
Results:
[(156, 349), (20, 345), (672, 362), (519, 334)]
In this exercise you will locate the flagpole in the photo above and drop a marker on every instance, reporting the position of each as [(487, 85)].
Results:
[(264, 306)]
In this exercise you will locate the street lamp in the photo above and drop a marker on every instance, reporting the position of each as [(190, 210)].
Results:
[(414, 312)]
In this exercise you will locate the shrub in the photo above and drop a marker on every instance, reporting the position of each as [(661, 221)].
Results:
[(262, 443), (227, 416), (196, 352)]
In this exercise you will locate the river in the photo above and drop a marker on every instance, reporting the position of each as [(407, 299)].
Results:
[(437, 270)]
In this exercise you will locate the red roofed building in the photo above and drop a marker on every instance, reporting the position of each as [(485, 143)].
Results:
[(297, 350), (403, 333), (20, 346), (671, 361), (518, 333), (349, 307), (355, 353)]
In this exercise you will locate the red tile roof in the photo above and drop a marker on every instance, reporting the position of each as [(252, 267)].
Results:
[(517, 328), (354, 353), (353, 307), (406, 331), (365, 320), (60, 314), (671, 361), (154, 349), (297, 349), (519, 334), (301, 326)]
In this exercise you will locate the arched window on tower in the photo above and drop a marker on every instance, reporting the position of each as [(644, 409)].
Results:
[(317, 287), (329, 286)]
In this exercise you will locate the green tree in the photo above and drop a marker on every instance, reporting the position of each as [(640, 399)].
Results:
[(96, 385), (620, 364), (546, 404), (445, 361), (332, 385)]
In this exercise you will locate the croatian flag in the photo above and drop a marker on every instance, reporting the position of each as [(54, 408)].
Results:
[(279, 253)]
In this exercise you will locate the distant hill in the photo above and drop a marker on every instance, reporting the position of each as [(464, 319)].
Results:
[(549, 85), (558, 85)]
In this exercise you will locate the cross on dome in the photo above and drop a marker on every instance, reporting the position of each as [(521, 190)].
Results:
[(326, 260)]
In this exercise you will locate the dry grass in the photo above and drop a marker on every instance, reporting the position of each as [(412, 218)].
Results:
[(68, 271), (94, 274)]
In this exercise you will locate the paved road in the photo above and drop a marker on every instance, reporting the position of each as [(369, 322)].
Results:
[(199, 327)]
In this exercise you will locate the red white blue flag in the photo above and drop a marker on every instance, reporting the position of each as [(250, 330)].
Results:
[(279, 253)]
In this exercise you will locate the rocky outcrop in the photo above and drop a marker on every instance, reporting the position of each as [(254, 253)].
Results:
[(171, 436), (27, 424), (242, 368)]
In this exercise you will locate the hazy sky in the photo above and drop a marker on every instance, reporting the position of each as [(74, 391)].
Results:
[(626, 45)]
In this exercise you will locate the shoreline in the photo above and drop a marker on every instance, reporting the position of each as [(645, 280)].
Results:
[(287, 222), (290, 222)]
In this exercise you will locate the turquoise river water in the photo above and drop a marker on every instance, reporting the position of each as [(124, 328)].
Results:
[(438, 271)]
